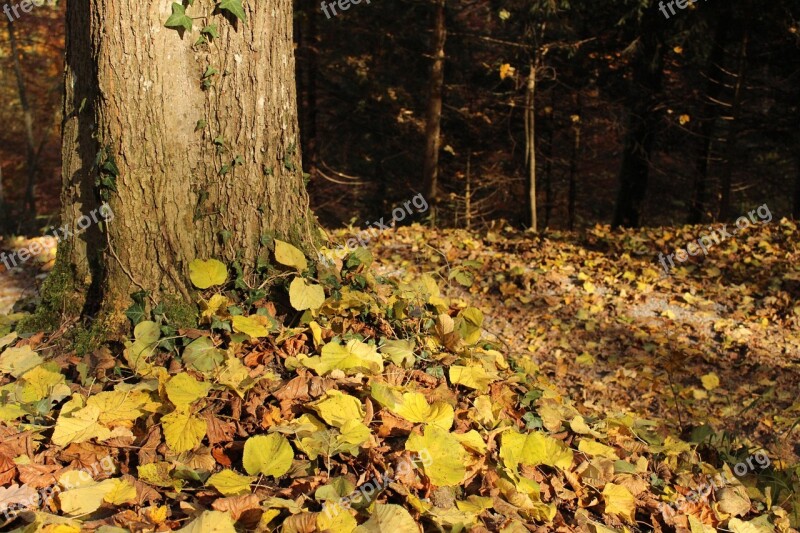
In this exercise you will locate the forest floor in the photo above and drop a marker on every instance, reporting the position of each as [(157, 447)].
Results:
[(709, 353), (715, 343)]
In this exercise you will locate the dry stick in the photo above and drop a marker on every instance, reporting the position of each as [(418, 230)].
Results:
[(675, 398)]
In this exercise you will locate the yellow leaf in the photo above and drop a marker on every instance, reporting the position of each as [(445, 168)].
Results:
[(249, 326), (78, 427), (415, 408), (619, 501), (336, 408), (86, 499), (210, 522), (443, 457), (352, 358), (684, 119), (472, 440), (533, 449), (269, 455), (594, 448), (17, 361), (205, 274), (123, 492), (506, 71), (336, 520), (230, 483), (214, 306), (182, 389), (122, 408), (38, 383), (710, 381), (183, 431), (147, 332), (475, 377), (388, 518), (290, 256), (304, 295)]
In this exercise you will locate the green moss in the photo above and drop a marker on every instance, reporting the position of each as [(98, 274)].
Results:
[(58, 298), (86, 340), (180, 314)]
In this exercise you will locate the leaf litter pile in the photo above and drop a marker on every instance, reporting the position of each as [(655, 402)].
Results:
[(493, 382)]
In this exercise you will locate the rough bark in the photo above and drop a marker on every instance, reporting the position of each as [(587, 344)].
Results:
[(433, 116), (185, 189)]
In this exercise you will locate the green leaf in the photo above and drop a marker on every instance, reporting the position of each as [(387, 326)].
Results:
[(202, 355), (211, 31), (269, 455), (178, 19), (234, 7)]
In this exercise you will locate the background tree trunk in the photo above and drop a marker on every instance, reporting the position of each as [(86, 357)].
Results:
[(530, 145), (733, 130), (643, 119), (715, 74), (28, 203), (433, 118), (203, 172)]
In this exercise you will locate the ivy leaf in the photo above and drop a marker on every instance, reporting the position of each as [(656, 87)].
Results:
[(178, 19), (234, 7), (211, 31)]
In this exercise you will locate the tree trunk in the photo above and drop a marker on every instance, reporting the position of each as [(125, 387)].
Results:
[(796, 203), (573, 164), (715, 74), (28, 200), (530, 145), (308, 46), (194, 164), (433, 117), (733, 127), (643, 119)]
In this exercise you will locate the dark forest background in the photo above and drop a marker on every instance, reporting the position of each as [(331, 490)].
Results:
[(636, 119)]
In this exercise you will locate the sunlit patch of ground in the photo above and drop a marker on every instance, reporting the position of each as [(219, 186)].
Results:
[(17, 277)]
